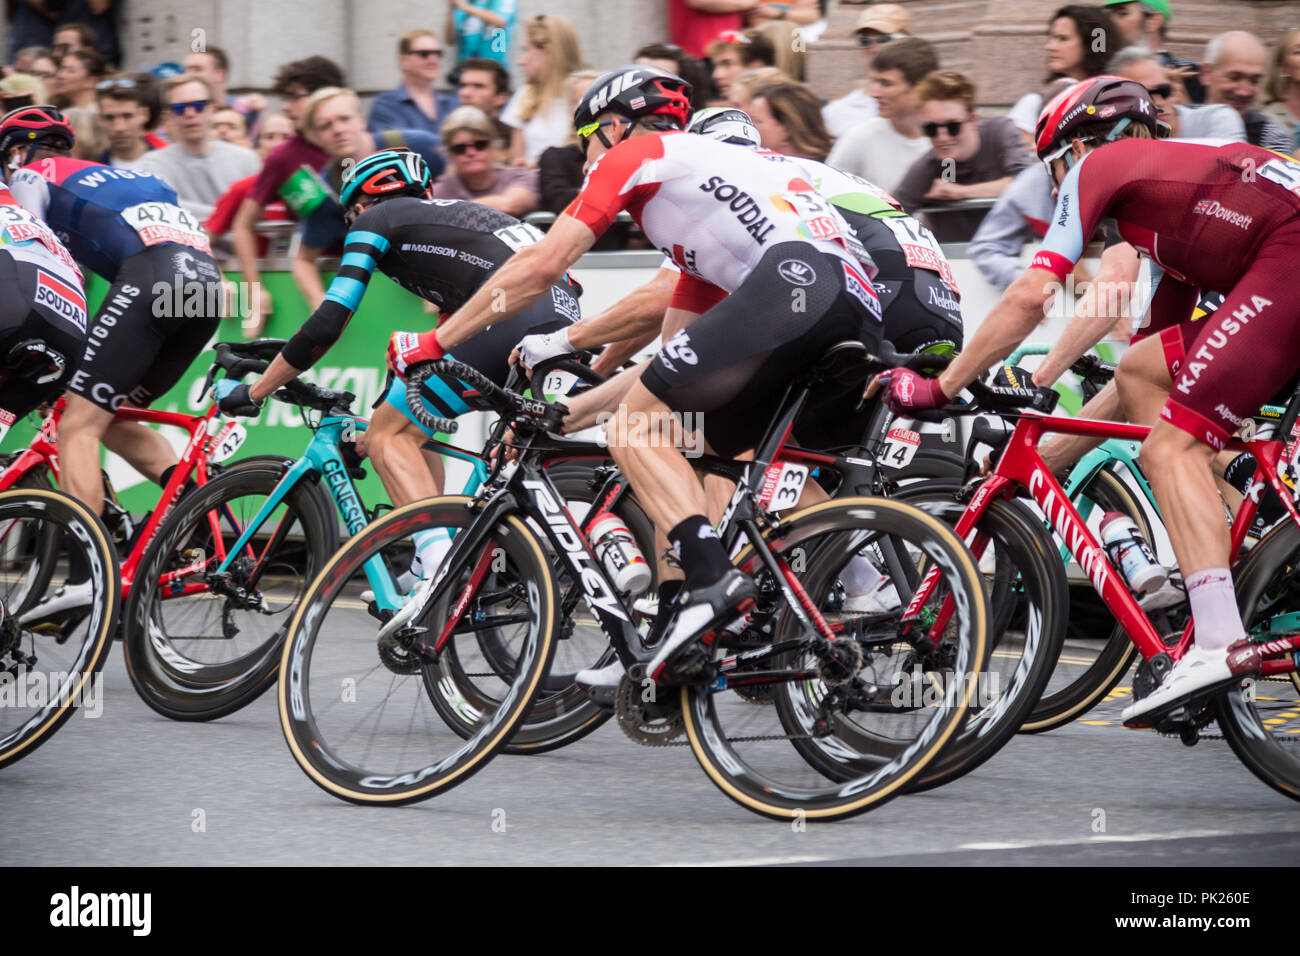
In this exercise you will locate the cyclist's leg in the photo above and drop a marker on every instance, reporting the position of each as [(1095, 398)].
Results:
[(394, 443), (1230, 364)]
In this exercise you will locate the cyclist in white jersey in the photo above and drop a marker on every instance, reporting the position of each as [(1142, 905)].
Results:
[(768, 284)]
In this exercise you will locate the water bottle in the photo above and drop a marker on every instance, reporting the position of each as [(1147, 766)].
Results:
[(1130, 553), (617, 551)]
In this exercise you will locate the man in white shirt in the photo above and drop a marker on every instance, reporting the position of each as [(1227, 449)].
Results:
[(878, 24), (881, 150), (197, 165)]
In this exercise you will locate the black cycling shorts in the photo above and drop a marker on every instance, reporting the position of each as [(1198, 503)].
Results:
[(732, 365), (922, 314), (53, 317), (489, 352), (160, 312)]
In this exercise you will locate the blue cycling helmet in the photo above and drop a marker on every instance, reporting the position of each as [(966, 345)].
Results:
[(396, 171), (726, 124)]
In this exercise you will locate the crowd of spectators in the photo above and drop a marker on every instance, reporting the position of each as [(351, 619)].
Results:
[(909, 125)]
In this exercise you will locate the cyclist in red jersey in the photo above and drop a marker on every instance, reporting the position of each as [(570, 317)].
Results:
[(768, 284), (1214, 218)]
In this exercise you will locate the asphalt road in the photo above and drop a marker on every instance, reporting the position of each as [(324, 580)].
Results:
[(131, 788)]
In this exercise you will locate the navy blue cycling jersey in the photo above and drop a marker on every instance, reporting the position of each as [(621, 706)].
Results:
[(102, 214)]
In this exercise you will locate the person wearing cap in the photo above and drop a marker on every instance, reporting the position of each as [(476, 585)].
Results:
[(877, 25), (467, 136), (21, 89)]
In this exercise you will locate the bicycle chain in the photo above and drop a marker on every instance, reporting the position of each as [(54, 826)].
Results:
[(1202, 735)]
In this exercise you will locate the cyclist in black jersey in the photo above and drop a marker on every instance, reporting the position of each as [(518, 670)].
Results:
[(442, 250)]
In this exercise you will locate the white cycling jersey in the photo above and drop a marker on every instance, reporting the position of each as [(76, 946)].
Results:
[(713, 208)]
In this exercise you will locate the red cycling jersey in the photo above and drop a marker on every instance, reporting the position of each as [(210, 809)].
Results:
[(1216, 218)]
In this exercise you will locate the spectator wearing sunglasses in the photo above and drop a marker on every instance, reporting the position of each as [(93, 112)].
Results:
[(467, 137), (123, 117), (415, 104), (213, 64), (1185, 122), (970, 158), (197, 165), (878, 24)]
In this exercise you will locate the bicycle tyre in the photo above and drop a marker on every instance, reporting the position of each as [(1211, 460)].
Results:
[(167, 638), (68, 663), (41, 554), (1255, 721), (1066, 702), (313, 716), (562, 712), (745, 778), (1038, 593)]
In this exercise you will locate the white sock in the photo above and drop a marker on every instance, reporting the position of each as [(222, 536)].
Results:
[(859, 576), (430, 548), (1214, 609)]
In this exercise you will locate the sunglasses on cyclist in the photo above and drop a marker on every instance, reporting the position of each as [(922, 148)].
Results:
[(952, 128), (180, 109), (478, 145), (585, 134)]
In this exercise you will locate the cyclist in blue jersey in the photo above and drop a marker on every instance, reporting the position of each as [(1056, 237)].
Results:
[(163, 305)]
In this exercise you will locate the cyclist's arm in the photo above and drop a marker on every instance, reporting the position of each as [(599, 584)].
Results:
[(526, 277), (361, 253), (636, 314), (1093, 317)]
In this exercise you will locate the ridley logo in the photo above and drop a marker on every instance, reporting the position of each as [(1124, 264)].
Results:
[(797, 272)]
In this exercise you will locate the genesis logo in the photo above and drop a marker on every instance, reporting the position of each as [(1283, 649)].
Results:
[(797, 272)]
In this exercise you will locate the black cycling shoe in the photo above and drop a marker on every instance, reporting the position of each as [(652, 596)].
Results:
[(697, 616)]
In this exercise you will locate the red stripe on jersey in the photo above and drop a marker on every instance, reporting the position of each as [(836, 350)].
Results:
[(607, 190), (695, 295), (1053, 262)]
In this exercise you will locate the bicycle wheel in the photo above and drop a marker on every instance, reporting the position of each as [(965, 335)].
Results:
[(1027, 586), (200, 646), (35, 553), (562, 712), (744, 746), (1261, 720), (1089, 666), (45, 675), (354, 708)]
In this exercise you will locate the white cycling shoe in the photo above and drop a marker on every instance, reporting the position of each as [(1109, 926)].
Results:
[(601, 683), (1197, 672), (405, 581), (69, 601), (881, 599)]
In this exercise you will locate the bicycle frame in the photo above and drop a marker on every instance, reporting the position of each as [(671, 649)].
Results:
[(1020, 466), (205, 433)]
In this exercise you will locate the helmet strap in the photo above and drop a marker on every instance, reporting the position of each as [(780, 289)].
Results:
[(1117, 129)]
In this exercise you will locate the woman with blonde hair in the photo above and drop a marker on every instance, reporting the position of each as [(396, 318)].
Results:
[(1282, 96), (539, 111), (788, 117)]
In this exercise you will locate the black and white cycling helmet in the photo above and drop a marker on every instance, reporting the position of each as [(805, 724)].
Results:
[(644, 94), (726, 124)]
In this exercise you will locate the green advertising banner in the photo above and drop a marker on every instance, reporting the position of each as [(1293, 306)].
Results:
[(355, 364)]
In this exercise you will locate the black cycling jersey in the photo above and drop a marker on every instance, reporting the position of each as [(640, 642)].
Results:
[(440, 249)]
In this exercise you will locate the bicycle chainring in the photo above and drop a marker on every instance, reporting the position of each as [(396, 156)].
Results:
[(649, 723)]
